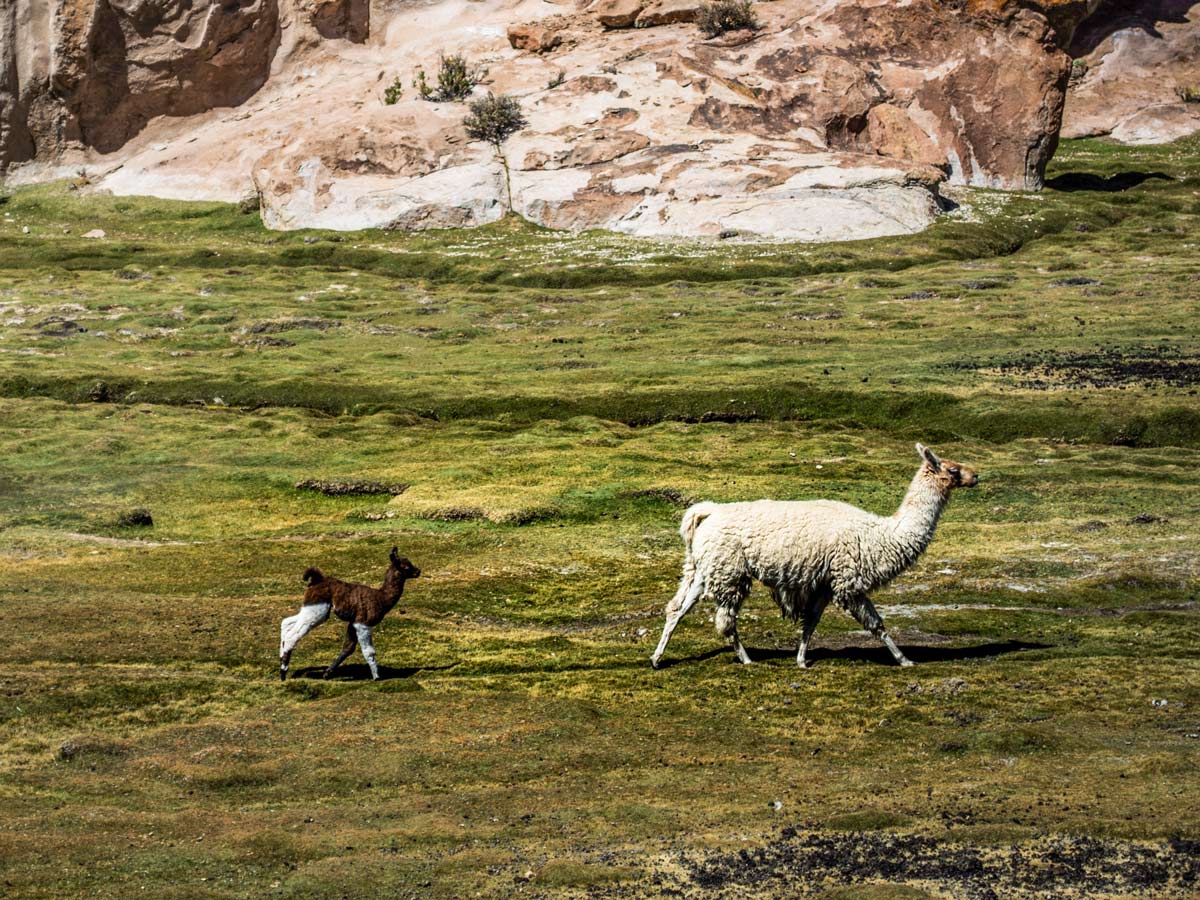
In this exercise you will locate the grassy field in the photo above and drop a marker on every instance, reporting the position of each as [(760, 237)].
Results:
[(552, 403)]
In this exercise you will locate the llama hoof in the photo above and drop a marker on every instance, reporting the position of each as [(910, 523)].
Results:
[(906, 662), (803, 664), (283, 674), (327, 674), (655, 662)]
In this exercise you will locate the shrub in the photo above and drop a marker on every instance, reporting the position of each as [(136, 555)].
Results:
[(493, 119), (1188, 94), (455, 80), (721, 16), (393, 92)]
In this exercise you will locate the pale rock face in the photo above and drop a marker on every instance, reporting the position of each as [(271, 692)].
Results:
[(461, 196), (836, 120), (1131, 57), (1159, 124)]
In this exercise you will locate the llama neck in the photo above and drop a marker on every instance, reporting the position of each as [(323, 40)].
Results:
[(393, 587), (915, 521)]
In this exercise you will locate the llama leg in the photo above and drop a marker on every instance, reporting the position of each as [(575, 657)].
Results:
[(685, 598), (738, 650), (864, 611), (728, 608), (812, 615), (295, 627), (368, 648), (347, 648)]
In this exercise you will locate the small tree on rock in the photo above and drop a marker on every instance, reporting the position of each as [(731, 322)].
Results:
[(495, 119)]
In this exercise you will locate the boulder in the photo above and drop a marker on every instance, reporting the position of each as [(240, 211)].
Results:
[(1130, 59), (618, 13), (348, 20), (534, 37), (94, 72), (668, 12), (1159, 124)]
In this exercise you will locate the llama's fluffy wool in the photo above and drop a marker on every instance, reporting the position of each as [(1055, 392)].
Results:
[(807, 553)]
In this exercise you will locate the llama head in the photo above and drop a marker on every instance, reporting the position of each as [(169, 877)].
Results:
[(947, 472), (402, 565)]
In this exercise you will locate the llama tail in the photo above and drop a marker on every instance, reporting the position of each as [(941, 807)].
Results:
[(687, 530), (691, 521), (313, 575)]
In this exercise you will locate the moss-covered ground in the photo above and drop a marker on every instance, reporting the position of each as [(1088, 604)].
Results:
[(552, 403)]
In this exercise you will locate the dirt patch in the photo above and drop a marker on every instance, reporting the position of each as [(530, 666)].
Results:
[(455, 514), (1105, 367), (670, 495), (345, 488), (275, 326), (1148, 519), (803, 863), (57, 326), (135, 518)]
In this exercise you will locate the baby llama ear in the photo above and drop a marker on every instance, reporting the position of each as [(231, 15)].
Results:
[(929, 456)]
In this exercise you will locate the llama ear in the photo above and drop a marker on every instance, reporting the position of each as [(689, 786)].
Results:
[(929, 456), (394, 555)]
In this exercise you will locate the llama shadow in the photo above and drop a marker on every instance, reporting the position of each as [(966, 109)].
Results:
[(878, 655), (361, 672), (1086, 181)]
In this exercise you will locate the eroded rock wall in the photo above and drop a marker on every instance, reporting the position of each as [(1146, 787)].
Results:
[(92, 73), (833, 120)]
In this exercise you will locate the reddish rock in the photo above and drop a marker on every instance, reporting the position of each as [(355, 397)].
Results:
[(618, 13), (534, 37), (668, 12), (339, 19), (111, 67), (892, 132)]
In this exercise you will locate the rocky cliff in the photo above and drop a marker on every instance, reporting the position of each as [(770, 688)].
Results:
[(832, 120)]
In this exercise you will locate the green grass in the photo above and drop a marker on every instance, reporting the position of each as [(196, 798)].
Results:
[(554, 402)]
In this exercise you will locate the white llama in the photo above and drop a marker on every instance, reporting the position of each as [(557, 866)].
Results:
[(807, 553)]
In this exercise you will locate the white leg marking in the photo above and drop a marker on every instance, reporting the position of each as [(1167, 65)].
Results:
[(368, 648), (693, 592), (896, 652), (295, 627)]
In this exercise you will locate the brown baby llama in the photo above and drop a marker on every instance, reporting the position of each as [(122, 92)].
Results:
[(361, 607)]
